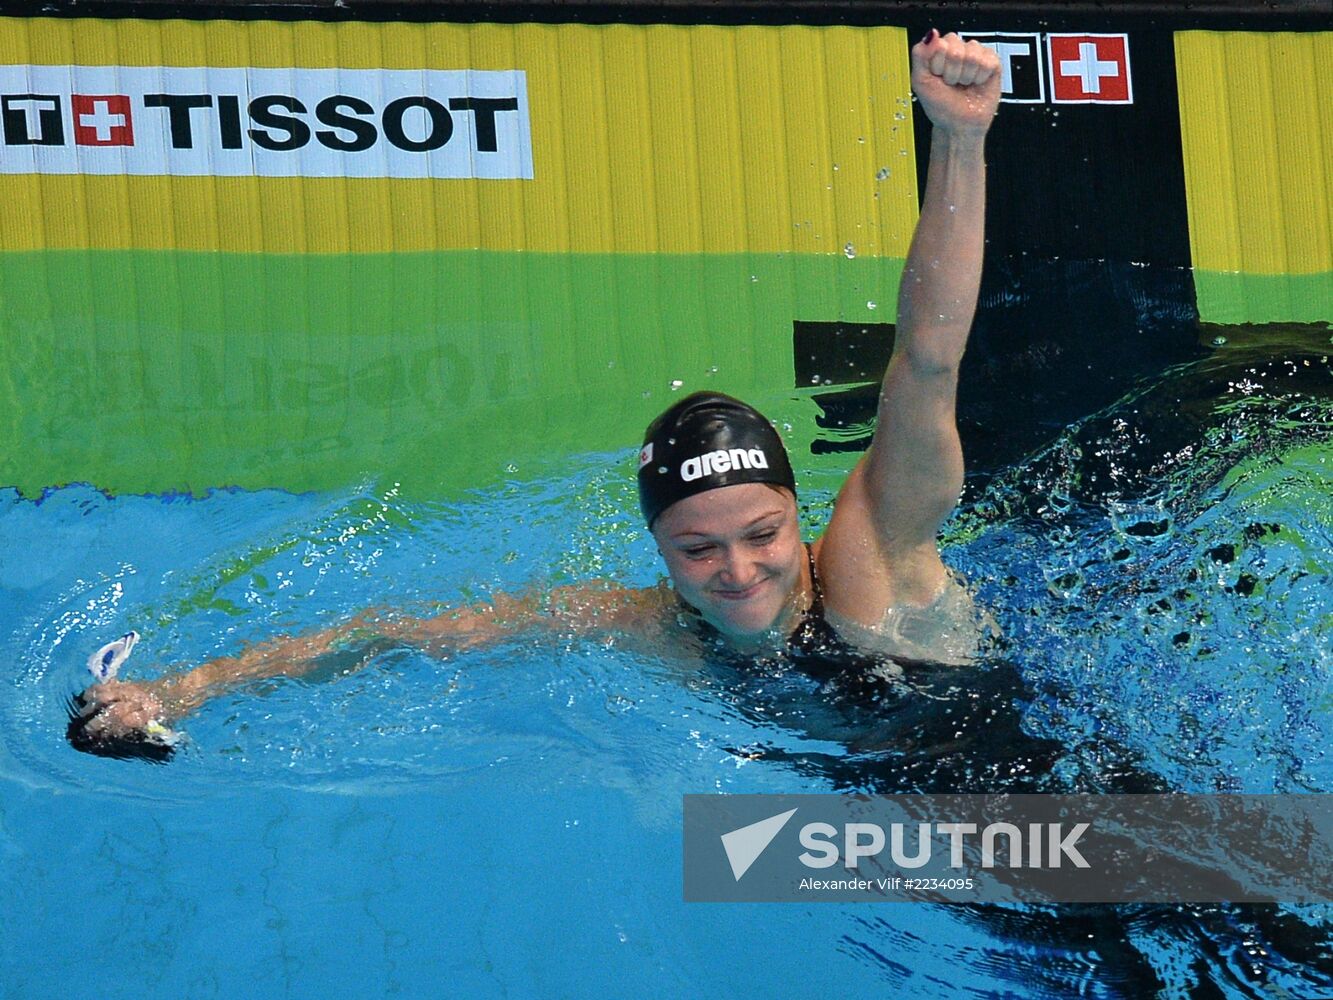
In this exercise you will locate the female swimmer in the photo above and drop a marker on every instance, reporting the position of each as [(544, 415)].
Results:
[(718, 494)]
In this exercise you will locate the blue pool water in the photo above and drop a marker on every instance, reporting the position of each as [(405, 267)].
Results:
[(506, 822)]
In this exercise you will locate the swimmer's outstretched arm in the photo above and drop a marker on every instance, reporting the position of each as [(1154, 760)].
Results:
[(174, 696), (586, 610), (115, 709), (881, 542)]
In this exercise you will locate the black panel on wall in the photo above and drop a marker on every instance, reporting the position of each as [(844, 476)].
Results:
[(1087, 286), (1086, 181)]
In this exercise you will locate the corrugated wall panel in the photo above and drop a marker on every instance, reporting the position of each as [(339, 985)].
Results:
[(693, 189), (646, 139), (1257, 132)]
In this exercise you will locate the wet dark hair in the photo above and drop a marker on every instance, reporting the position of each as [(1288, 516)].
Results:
[(132, 745)]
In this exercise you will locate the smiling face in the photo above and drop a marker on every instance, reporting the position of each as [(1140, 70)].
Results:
[(735, 554)]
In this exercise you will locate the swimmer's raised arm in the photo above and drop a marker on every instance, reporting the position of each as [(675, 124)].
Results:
[(880, 547)]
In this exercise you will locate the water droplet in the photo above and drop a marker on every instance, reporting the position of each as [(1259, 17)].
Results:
[(835, 166), (676, 384), (712, 369), (872, 305), (952, 209), (899, 116), (849, 251), (754, 278), (860, 138), (662, 470), (1219, 341), (882, 174)]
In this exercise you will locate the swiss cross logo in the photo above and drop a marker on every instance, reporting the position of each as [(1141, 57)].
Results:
[(102, 120), (1089, 69)]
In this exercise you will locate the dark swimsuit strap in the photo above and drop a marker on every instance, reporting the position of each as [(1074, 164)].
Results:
[(816, 609)]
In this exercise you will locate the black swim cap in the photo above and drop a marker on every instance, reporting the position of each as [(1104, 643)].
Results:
[(705, 441)]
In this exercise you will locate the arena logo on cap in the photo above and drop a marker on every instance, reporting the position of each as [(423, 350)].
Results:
[(714, 462), (240, 121)]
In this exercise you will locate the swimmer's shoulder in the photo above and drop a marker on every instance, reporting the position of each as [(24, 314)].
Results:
[(647, 620), (861, 576), (954, 629), (602, 604)]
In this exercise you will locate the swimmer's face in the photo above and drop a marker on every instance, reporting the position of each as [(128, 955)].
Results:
[(735, 553), (119, 709)]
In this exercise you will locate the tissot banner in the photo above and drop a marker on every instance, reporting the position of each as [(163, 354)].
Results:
[(243, 121)]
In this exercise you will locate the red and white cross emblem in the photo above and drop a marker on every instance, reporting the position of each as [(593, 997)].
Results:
[(102, 120), (1089, 69)]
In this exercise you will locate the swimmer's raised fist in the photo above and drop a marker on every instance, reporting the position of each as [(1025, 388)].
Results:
[(957, 82)]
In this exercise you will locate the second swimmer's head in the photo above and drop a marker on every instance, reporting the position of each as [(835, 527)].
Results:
[(97, 728)]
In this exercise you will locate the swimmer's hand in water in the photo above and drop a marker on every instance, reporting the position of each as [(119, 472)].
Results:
[(957, 82), (113, 709)]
